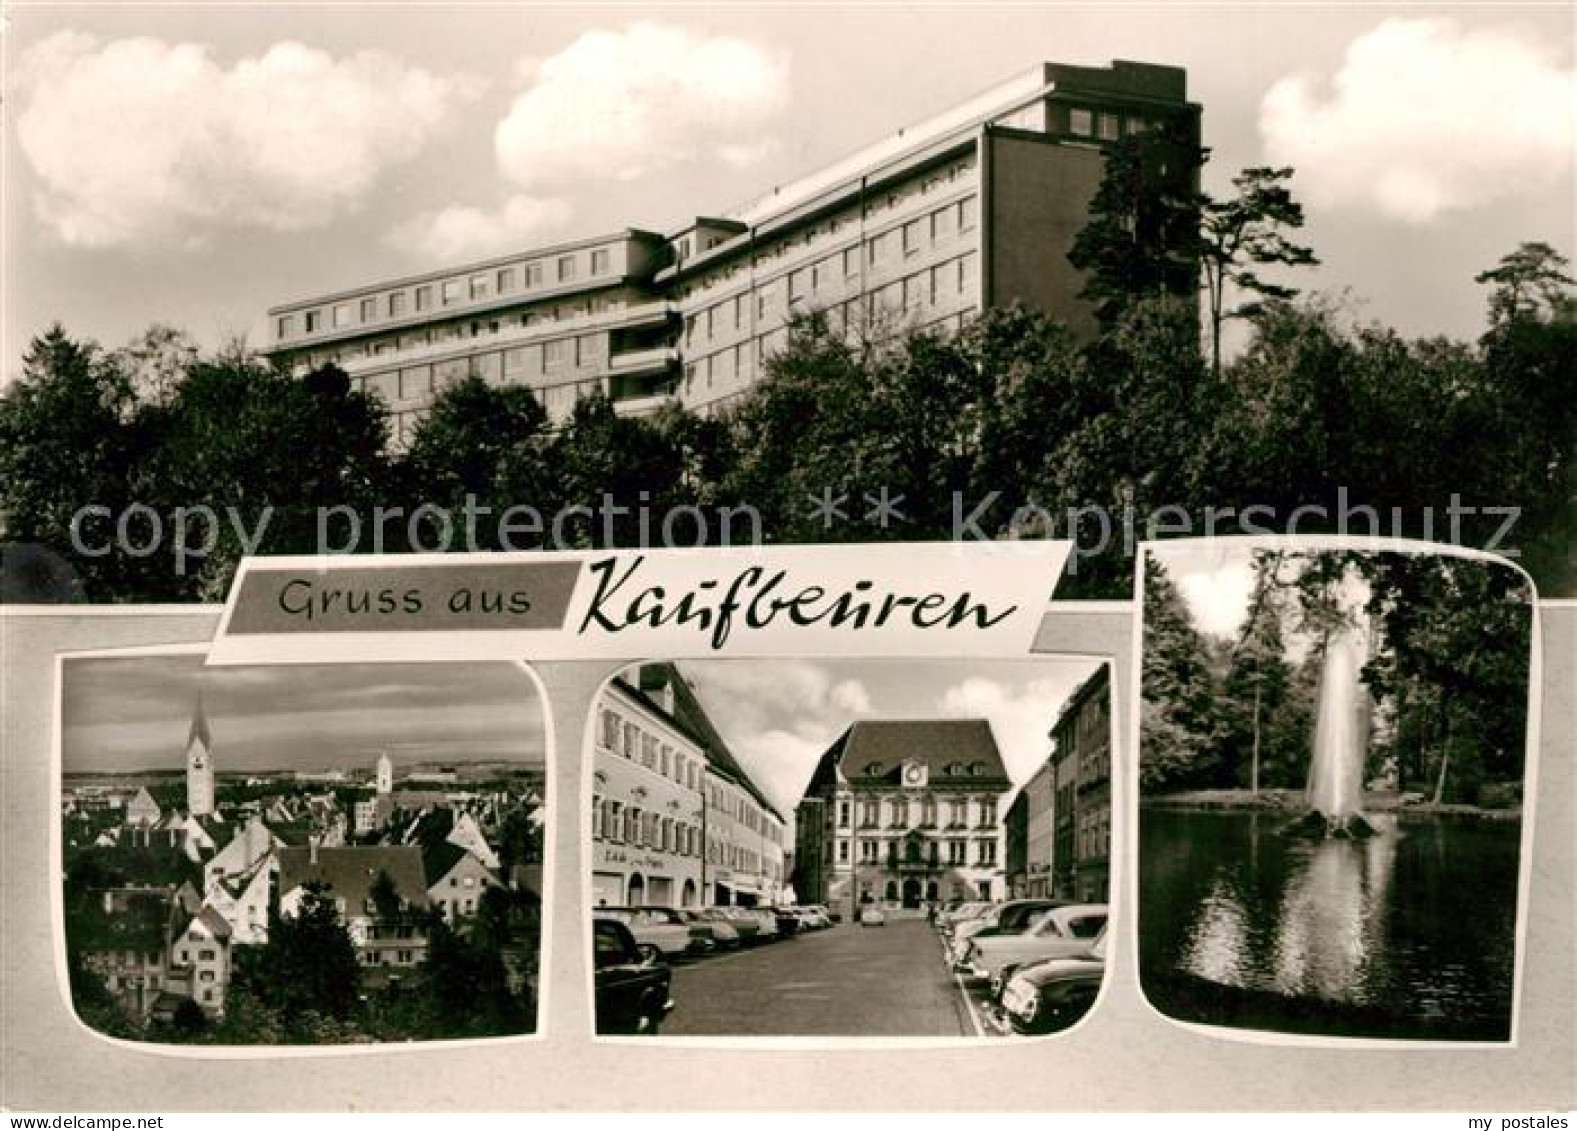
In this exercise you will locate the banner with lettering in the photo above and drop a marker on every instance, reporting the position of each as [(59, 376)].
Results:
[(900, 599)]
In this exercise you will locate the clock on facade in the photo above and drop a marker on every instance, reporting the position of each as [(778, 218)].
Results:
[(913, 775)]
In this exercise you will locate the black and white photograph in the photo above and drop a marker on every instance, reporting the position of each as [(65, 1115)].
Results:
[(432, 288), (850, 848), (1332, 768), (299, 854), (557, 276)]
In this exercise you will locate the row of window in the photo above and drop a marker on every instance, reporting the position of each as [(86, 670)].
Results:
[(838, 271), (872, 852), (618, 823), (901, 812), (446, 333), (388, 958), (935, 286), (1095, 833), (1105, 125), (736, 803), (478, 286), (946, 178), (628, 740)]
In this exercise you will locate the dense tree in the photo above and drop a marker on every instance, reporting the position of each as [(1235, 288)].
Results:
[(480, 442), (855, 424), (1452, 669), (1179, 746), (268, 452), (69, 439), (618, 470), (1526, 410), (307, 971), (519, 838), (1142, 238)]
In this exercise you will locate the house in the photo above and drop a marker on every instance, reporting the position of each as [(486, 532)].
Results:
[(123, 936), (391, 936), (199, 963), (241, 854), (456, 879), (243, 900), (467, 834), (143, 810)]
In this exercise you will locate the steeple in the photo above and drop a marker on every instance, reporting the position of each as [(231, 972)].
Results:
[(199, 764), (199, 729), (385, 774)]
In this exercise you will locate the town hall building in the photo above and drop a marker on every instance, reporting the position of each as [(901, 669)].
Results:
[(903, 813)]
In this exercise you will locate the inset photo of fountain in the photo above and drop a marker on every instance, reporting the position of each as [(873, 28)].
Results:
[(1332, 758)]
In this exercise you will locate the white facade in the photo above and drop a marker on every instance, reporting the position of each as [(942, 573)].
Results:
[(647, 808), (745, 851)]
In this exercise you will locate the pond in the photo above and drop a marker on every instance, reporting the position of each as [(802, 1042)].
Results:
[(1408, 934)]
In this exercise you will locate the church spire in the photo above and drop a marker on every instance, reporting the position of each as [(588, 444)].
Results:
[(199, 764), (199, 730)]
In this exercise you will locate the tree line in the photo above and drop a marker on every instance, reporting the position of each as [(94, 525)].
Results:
[(1013, 426), (1446, 680)]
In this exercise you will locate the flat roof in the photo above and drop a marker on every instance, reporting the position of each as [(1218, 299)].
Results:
[(626, 235)]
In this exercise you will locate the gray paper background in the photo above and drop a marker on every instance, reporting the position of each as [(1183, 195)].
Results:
[(1124, 1057)]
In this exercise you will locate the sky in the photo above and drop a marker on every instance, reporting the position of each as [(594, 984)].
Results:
[(780, 716), (194, 164), (134, 713)]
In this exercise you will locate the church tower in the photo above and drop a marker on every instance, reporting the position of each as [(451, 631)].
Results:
[(385, 775), (199, 764)]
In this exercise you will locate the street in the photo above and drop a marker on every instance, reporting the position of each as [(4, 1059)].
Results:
[(847, 981)]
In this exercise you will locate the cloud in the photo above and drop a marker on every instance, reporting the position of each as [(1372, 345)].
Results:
[(1021, 714), (133, 712), (140, 140), (625, 104), (851, 696), (1425, 118), (465, 232)]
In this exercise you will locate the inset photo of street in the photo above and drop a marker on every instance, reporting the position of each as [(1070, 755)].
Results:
[(301, 854), (818, 848), (1332, 765)]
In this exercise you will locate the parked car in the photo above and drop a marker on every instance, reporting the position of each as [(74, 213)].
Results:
[(871, 915), (744, 922), (769, 924), (1053, 994), (661, 927), (787, 920), (812, 919), (1061, 932), (963, 912), (1004, 919), (714, 925), (632, 981)]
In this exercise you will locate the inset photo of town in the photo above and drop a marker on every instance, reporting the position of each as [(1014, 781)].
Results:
[(1332, 764), (817, 848), (301, 854)]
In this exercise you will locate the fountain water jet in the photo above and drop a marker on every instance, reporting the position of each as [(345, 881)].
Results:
[(1335, 791)]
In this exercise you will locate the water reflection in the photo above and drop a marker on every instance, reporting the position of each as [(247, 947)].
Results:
[(1415, 922)]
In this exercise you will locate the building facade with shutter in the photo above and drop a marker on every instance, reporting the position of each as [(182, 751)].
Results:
[(903, 813)]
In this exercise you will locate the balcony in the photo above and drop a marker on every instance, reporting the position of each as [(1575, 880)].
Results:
[(510, 333), (648, 405), (655, 359)]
